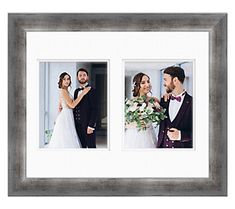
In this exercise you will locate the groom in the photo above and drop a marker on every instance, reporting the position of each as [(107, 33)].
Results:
[(176, 130), (85, 113)]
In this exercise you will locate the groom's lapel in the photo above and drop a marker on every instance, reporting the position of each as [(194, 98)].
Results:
[(182, 110), (167, 107)]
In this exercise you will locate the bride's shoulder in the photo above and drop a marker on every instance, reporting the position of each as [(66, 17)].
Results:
[(63, 92)]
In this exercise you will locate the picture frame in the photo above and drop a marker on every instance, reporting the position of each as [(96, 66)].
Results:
[(18, 183)]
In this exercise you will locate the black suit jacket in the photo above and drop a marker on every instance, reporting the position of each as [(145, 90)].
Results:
[(183, 122), (85, 112)]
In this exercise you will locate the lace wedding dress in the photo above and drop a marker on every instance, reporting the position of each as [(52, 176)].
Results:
[(64, 133)]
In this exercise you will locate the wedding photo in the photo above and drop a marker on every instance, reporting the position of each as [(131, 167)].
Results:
[(73, 104), (158, 104)]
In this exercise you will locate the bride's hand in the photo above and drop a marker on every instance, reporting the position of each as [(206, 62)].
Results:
[(156, 102), (86, 90), (166, 97)]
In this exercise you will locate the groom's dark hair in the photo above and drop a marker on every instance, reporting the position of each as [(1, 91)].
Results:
[(174, 71), (83, 70)]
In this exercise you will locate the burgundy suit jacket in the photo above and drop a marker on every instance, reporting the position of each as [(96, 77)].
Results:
[(183, 122)]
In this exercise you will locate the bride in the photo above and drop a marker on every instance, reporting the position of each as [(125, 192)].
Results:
[(64, 133), (134, 138)]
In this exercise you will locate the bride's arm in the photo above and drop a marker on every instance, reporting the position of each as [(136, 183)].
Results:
[(59, 106), (73, 103)]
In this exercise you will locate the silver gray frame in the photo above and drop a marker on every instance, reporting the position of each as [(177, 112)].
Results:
[(20, 185)]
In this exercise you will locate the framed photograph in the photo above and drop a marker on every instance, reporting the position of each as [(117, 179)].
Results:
[(150, 119), (52, 118), (74, 81)]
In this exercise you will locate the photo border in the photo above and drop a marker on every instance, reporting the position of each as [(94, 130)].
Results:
[(108, 92), (123, 92), (20, 23)]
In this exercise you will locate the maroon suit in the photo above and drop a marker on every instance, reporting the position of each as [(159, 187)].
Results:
[(183, 122)]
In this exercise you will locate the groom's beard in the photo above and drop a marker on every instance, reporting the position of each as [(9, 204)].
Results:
[(170, 87), (83, 81)]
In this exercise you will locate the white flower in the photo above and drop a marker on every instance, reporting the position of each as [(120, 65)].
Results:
[(128, 102), (144, 115), (150, 109), (139, 112), (133, 108), (142, 106)]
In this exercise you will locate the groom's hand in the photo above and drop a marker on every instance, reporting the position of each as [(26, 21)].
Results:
[(89, 130), (174, 134)]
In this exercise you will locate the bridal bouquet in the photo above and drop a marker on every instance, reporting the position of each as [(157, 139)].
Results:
[(142, 112)]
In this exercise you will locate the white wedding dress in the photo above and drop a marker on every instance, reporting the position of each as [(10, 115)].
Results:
[(64, 133), (134, 139)]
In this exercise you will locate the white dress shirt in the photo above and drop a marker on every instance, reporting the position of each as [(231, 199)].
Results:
[(82, 86), (174, 106)]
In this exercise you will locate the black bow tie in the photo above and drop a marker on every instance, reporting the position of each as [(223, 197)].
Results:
[(81, 88)]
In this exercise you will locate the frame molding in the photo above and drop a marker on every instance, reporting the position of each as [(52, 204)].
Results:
[(20, 185)]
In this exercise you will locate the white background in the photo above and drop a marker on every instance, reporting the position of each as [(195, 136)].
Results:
[(116, 6)]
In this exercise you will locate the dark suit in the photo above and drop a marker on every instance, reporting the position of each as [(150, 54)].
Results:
[(85, 114), (183, 122)]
